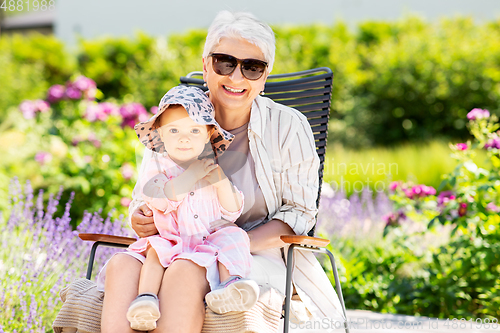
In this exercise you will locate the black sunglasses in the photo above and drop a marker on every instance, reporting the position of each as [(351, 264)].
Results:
[(225, 64)]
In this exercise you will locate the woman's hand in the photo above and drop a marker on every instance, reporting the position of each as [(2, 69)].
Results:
[(142, 222)]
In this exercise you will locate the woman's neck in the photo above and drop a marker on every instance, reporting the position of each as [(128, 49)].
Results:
[(231, 119)]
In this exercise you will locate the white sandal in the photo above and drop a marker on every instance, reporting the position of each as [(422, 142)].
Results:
[(234, 294), (143, 312)]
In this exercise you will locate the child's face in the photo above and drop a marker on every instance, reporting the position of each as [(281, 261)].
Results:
[(183, 138)]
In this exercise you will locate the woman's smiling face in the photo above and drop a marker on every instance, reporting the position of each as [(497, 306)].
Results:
[(233, 92)]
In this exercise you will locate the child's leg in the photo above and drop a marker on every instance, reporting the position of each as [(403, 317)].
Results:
[(144, 311), (223, 272), (151, 274), (235, 293)]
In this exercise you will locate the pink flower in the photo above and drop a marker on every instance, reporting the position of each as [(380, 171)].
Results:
[(493, 143), (444, 197), (109, 109), (73, 93), (86, 86), (394, 185), (41, 105), (461, 146), (55, 93), (419, 191), (153, 110), (28, 109), (83, 83), (462, 209), (43, 157), (94, 140), (125, 202), (133, 113), (393, 219), (76, 140), (476, 114), (92, 113), (127, 171), (492, 208)]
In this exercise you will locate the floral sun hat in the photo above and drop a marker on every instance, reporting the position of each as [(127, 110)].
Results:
[(199, 109)]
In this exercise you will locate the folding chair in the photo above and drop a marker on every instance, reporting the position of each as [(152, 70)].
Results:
[(309, 92)]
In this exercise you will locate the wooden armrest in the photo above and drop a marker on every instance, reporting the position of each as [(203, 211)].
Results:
[(107, 238), (305, 240)]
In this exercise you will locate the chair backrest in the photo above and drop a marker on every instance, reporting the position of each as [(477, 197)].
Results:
[(307, 91)]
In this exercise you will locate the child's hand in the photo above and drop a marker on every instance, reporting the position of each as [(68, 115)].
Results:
[(215, 176), (201, 168)]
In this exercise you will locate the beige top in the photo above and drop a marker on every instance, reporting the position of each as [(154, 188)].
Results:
[(239, 166)]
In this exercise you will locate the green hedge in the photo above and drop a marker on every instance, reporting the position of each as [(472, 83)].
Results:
[(394, 81)]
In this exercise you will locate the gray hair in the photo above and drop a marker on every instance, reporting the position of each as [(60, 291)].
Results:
[(241, 25)]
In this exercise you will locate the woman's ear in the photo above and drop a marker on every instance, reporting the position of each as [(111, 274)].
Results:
[(205, 69)]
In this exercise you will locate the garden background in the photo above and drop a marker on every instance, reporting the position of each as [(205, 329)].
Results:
[(410, 199)]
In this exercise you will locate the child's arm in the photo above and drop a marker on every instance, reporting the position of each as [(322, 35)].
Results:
[(229, 198)]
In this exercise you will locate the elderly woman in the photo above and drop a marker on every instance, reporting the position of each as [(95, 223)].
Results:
[(272, 160)]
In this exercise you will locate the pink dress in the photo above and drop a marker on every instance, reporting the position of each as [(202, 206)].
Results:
[(184, 226)]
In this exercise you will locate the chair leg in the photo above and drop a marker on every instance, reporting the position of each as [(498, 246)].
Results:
[(288, 285), (337, 286)]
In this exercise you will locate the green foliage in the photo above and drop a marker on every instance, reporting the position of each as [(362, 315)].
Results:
[(46, 51), (394, 81), (458, 276)]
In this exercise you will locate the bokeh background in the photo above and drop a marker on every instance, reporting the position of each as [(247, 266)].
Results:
[(75, 76)]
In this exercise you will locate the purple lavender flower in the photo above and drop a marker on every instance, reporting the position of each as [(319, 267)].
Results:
[(56, 244), (476, 114), (55, 93), (43, 157)]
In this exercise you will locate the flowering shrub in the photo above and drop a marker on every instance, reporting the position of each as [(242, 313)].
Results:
[(76, 141), (40, 254), (461, 276)]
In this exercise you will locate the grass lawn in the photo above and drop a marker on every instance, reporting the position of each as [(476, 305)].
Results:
[(376, 167)]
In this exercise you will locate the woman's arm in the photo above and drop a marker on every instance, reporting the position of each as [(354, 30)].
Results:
[(267, 236)]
